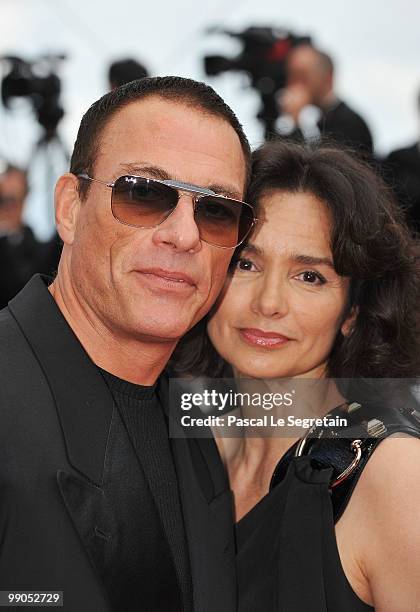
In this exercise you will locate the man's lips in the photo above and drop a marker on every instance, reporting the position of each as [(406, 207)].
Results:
[(167, 276), (259, 337)]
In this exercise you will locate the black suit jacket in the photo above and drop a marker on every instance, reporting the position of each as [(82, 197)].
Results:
[(55, 416), (402, 169), (343, 125)]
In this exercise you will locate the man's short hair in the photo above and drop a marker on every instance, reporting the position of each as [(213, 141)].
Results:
[(325, 61), (177, 89)]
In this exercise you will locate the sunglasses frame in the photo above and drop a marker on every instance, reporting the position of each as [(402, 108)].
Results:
[(181, 188)]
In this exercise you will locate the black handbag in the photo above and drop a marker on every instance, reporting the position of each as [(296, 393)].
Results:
[(348, 450)]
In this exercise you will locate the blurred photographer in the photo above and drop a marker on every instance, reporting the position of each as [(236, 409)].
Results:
[(402, 169), (21, 254), (310, 81), (13, 191)]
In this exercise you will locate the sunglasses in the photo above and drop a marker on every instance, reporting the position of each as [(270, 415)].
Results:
[(143, 202)]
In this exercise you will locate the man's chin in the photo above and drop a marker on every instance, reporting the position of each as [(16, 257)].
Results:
[(164, 332)]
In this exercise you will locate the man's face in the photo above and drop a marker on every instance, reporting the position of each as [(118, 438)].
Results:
[(154, 283), (304, 70), (12, 198)]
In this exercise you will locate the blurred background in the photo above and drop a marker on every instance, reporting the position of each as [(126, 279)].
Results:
[(364, 78)]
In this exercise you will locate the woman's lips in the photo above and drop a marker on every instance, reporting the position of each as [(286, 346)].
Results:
[(258, 337)]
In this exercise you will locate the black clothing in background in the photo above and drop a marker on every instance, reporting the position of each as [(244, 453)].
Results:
[(402, 170), (139, 572), (21, 256), (342, 125), (59, 424)]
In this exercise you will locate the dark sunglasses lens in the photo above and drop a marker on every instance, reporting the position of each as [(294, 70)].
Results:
[(142, 202), (223, 222)]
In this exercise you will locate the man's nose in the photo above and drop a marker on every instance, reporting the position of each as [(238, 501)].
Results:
[(179, 231)]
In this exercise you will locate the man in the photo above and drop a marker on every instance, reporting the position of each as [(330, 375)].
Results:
[(310, 81), (402, 169), (21, 255), (96, 501)]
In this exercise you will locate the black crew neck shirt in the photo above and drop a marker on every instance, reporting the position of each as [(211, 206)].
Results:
[(147, 571)]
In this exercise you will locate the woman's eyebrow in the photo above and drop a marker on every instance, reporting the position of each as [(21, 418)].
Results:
[(311, 260)]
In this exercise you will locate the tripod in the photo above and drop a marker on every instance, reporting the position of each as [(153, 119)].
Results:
[(49, 159)]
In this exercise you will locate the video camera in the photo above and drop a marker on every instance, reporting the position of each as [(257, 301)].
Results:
[(263, 58), (38, 82)]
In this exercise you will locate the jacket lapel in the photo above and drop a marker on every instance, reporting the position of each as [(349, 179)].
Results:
[(209, 528), (84, 406), (207, 505), (86, 507), (84, 403)]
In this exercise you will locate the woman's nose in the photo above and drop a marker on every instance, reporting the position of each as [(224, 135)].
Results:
[(271, 298)]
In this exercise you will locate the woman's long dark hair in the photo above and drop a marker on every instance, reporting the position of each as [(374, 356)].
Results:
[(371, 245)]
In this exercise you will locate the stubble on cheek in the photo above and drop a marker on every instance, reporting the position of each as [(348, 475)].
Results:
[(217, 279), (92, 254)]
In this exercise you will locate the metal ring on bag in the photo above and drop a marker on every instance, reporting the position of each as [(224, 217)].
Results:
[(356, 447)]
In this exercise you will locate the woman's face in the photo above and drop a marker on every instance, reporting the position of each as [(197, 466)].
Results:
[(281, 310)]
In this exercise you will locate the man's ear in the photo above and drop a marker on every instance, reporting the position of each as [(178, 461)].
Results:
[(67, 206), (348, 323)]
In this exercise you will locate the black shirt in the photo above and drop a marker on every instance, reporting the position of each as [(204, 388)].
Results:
[(139, 570), (287, 550)]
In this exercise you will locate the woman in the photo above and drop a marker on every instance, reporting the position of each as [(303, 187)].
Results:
[(327, 286)]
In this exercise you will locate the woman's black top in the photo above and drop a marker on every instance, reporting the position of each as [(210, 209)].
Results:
[(287, 554)]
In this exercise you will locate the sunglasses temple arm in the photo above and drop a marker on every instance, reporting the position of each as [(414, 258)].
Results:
[(86, 177)]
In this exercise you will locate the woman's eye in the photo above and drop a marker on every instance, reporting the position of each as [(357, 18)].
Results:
[(244, 264), (312, 278)]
